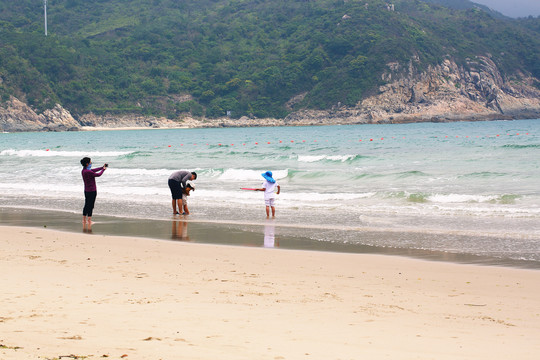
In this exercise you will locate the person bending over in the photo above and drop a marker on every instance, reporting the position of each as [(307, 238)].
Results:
[(177, 183)]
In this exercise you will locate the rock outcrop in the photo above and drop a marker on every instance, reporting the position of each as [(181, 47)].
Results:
[(447, 92), (475, 90), (17, 116), (450, 92)]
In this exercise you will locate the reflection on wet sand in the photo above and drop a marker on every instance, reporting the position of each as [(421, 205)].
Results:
[(180, 230), (270, 235), (242, 235), (87, 228)]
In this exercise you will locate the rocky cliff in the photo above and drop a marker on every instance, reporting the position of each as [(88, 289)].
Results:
[(17, 116), (475, 90), (447, 92)]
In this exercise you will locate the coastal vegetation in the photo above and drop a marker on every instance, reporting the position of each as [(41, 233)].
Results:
[(261, 58)]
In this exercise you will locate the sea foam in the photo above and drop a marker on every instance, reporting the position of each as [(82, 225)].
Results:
[(250, 175), (53, 153)]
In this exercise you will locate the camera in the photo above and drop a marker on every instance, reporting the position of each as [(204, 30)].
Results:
[(106, 165)]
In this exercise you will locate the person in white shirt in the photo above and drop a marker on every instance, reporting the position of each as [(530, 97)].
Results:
[(269, 187)]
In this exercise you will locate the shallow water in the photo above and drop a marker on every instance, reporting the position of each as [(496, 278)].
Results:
[(432, 185), (266, 234)]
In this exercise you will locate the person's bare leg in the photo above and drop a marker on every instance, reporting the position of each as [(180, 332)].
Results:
[(84, 219), (180, 204), (273, 211), (268, 211), (175, 203)]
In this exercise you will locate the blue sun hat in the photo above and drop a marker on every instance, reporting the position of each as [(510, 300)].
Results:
[(268, 176)]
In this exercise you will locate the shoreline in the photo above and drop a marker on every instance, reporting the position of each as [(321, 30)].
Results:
[(271, 122), (74, 295), (103, 128), (244, 122), (267, 234)]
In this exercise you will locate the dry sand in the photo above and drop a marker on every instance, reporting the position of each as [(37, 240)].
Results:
[(73, 295)]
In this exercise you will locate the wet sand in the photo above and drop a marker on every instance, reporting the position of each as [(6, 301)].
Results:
[(267, 233), (91, 294)]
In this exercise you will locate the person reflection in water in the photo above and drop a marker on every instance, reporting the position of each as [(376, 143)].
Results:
[(270, 235), (87, 228), (180, 230)]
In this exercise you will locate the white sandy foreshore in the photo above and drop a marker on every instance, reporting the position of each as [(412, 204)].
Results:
[(90, 296)]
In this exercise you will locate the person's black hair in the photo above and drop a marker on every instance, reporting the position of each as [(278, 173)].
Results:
[(194, 174), (190, 186), (85, 161)]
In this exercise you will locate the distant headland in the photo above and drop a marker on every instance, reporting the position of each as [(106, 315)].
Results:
[(443, 93)]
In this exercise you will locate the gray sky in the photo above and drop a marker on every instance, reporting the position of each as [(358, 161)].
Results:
[(513, 8)]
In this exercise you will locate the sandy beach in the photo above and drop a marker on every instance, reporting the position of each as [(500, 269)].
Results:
[(75, 295)]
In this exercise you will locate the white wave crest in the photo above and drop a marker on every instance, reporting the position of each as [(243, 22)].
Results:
[(315, 158), (461, 198), (250, 175), (54, 153), (136, 171)]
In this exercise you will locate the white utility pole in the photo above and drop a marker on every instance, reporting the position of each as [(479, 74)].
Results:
[(45, 11)]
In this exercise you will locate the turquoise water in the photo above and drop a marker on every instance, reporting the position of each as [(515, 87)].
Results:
[(432, 186)]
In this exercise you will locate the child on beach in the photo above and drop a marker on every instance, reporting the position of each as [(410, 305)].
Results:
[(185, 194), (269, 186)]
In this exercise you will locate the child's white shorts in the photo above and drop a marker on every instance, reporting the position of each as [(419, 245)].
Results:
[(269, 202)]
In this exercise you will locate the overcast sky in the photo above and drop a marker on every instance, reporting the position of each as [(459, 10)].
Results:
[(513, 8)]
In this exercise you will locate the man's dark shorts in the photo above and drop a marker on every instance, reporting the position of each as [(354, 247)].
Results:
[(176, 189)]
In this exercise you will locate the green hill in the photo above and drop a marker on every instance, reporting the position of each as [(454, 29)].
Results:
[(249, 57)]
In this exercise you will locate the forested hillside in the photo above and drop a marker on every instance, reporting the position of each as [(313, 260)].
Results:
[(264, 58)]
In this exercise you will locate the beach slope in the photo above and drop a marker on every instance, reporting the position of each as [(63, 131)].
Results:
[(71, 295)]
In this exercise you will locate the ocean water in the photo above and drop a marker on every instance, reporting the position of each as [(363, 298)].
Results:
[(461, 188)]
